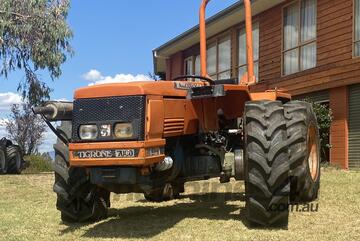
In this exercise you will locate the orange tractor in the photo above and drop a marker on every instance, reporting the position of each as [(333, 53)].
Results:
[(152, 137)]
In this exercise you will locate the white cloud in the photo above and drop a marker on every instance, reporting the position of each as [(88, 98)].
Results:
[(8, 99), (93, 75), (96, 78)]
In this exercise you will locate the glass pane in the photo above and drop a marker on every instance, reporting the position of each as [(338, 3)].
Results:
[(242, 72), (357, 49), (242, 47), (308, 56), (291, 32), (256, 70), (188, 66), (225, 75), (225, 55), (357, 20), (308, 20), (211, 60), (256, 41), (197, 65), (291, 62)]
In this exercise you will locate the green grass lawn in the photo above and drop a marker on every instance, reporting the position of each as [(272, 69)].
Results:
[(27, 212)]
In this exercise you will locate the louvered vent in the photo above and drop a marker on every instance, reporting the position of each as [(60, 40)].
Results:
[(173, 127)]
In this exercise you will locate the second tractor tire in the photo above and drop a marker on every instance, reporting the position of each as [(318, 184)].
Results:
[(3, 162), (14, 159), (304, 148)]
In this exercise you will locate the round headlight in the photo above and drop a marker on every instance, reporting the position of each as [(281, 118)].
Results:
[(124, 130), (88, 132)]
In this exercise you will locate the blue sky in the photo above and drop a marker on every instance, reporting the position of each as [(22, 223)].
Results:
[(113, 37)]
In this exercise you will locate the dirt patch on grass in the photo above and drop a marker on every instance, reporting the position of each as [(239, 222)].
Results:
[(207, 211)]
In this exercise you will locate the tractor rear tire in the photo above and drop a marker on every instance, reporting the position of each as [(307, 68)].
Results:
[(304, 147), (267, 183), (14, 159), (77, 199), (3, 162)]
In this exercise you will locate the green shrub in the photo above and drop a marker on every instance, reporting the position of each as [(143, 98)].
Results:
[(38, 164), (324, 118)]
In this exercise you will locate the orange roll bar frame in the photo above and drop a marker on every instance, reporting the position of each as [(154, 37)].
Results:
[(249, 39)]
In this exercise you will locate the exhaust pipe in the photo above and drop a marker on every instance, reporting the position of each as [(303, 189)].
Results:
[(55, 110)]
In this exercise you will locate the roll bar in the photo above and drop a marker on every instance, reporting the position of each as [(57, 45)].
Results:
[(249, 78)]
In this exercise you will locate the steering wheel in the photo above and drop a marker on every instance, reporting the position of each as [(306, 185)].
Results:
[(210, 81)]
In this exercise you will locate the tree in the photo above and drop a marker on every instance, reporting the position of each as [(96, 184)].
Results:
[(155, 77), (324, 118), (34, 35), (25, 128)]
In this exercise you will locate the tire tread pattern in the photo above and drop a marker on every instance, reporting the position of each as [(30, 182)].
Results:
[(12, 153), (267, 167), (300, 115)]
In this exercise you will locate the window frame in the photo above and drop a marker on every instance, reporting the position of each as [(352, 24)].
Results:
[(354, 41), (237, 65), (300, 44)]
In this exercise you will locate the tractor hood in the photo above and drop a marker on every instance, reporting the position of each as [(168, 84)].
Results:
[(160, 88)]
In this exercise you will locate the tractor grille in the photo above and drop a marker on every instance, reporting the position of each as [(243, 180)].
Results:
[(111, 110)]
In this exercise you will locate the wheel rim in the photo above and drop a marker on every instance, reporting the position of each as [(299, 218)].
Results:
[(313, 159), (2, 161)]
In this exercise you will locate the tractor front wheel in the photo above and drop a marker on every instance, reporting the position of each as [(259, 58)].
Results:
[(77, 199)]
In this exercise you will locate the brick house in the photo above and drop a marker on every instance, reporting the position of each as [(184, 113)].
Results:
[(309, 47)]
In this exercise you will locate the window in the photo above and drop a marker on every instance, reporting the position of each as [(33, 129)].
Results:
[(219, 59), (197, 65), (189, 66), (192, 66), (357, 28), (242, 56), (299, 36)]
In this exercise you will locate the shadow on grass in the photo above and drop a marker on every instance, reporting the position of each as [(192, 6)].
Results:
[(149, 221)]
